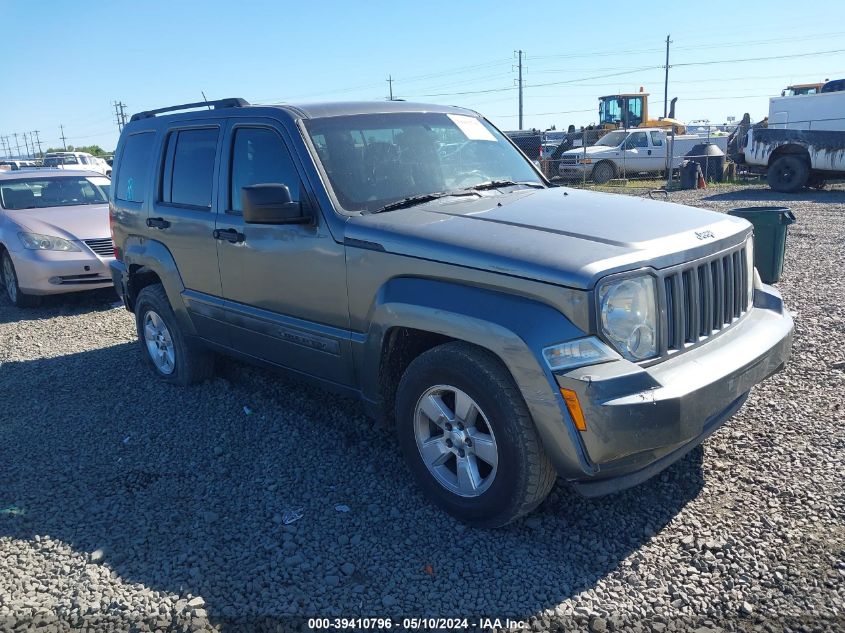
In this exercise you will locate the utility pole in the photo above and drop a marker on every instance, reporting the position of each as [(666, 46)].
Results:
[(64, 140), (17, 145), (5, 143), (666, 79), (120, 114), (520, 89), (390, 83), (26, 145), (38, 142)]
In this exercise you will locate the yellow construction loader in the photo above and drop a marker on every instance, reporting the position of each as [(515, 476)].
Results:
[(629, 110)]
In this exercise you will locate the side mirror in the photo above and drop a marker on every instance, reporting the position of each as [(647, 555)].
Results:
[(271, 203)]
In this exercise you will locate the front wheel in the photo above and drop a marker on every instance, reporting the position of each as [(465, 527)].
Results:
[(10, 281), (603, 172), (169, 353), (788, 174), (468, 437)]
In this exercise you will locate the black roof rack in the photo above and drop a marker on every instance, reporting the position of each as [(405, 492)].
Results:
[(235, 102)]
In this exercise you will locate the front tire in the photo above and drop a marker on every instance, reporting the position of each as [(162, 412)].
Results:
[(10, 282), (788, 174), (603, 172), (468, 438), (171, 355)]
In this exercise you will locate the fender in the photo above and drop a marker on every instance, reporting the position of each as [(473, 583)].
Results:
[(155, 256), (507, 325)]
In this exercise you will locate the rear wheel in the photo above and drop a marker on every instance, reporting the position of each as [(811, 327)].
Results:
[(10, 281), (603, 172), (169, 353), (788, 174), (468, 437)]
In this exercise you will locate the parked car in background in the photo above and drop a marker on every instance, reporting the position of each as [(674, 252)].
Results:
[(76, 160), (15, 165), (54, 233), (626, 153), (408, 255)]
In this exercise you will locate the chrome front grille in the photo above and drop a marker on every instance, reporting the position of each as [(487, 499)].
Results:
[(568, 159), (103, 247), (703, 298)]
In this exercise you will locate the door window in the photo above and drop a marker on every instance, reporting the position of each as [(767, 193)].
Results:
[(188, 177), (656, 139), (133, 168), (636, 140), (259, 156)]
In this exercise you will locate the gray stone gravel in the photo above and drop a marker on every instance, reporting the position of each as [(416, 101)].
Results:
[(125, 502)]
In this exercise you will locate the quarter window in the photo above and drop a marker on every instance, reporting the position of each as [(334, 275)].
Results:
[(260, 156), (189, 167), (133, 171)]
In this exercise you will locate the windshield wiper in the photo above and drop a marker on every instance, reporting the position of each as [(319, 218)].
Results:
[(495, 184), (410, 201)]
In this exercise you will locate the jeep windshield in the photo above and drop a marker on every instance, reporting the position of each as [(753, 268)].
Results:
[(613, 139), (376, 160)]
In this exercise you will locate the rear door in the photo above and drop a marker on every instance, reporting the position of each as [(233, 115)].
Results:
[(658, 149), (183, 215), (284, 285)]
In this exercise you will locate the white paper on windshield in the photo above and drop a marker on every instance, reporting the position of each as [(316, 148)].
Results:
[(471, 128)]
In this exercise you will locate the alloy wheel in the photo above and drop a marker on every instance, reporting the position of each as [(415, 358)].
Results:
[(159, 343), (455, 441), (9, 279)]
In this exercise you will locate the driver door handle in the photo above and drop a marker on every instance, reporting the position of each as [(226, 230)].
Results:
[(230, 235), (157, 223)]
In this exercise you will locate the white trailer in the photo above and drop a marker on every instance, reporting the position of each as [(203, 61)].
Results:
[(804, 143)]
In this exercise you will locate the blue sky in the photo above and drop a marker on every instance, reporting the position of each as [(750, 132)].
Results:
[(65, 62)]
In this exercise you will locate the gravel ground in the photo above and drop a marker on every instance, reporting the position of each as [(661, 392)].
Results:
[(128, 503)]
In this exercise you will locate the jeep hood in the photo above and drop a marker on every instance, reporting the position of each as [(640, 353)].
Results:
[(558, 235)]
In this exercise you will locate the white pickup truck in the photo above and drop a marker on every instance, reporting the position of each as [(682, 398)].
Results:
[(804, 143), (77, 160), (625, 153)]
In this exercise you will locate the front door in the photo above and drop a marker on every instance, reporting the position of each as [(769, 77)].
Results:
[(636, 154), (284, 285)]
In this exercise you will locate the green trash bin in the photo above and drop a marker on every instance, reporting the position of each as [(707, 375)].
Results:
[(770, 225)]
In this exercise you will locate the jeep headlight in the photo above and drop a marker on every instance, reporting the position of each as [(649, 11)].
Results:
[(38, 242), (628, 316)]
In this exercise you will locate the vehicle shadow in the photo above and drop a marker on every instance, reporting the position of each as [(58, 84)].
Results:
[(835, 196), (58, 305), (184, 490)]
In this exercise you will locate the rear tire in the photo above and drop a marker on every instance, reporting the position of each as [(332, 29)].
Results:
[(9, 279), (171, 355), (603, 172), (788, 174), (481, 460)]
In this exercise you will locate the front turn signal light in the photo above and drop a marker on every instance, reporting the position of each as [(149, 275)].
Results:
[(574, 408)]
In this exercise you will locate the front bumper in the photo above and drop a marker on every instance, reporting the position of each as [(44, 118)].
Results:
[(55, 272), (642, 419), (575, 171)]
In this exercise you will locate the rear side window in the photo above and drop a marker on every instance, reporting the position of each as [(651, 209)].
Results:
[(132, 174), (656, 139), (188, 176)]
